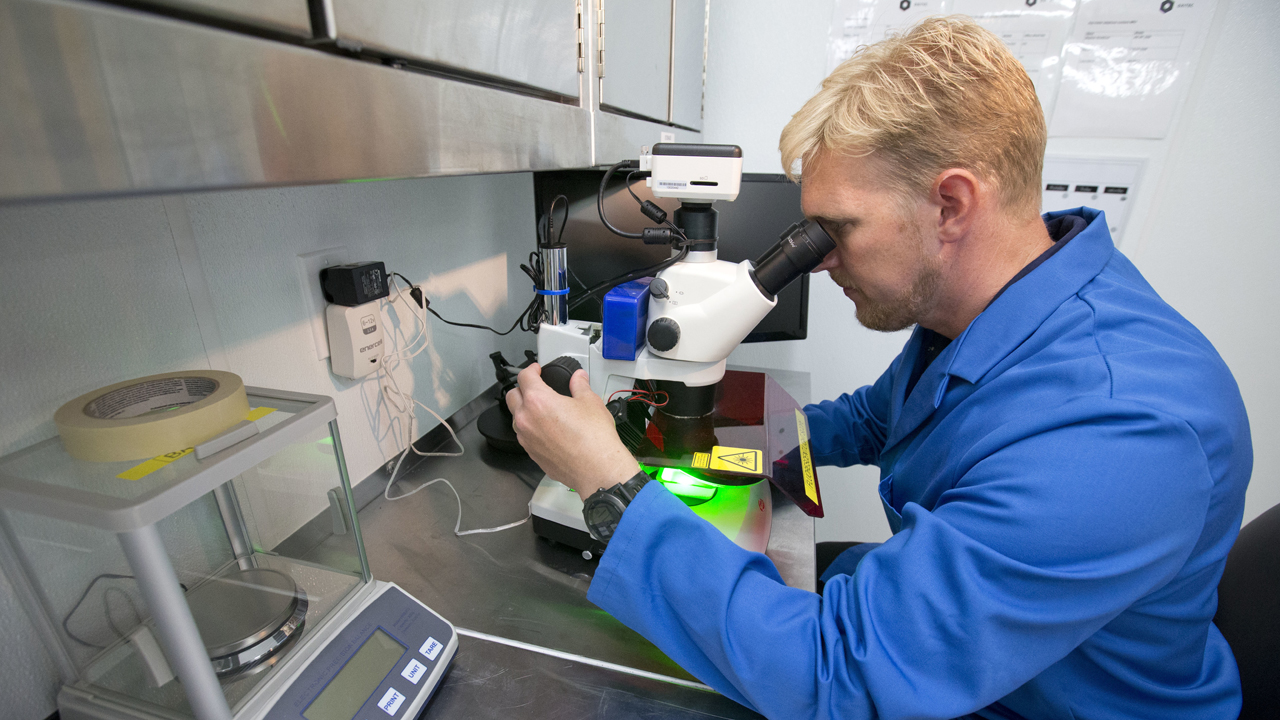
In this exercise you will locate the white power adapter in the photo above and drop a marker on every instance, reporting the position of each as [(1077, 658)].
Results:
[(355, 338)]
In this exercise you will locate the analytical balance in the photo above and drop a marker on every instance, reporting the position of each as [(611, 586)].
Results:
[(229, 584)]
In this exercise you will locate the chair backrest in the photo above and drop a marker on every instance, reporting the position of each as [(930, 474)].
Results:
[(1249, 613)]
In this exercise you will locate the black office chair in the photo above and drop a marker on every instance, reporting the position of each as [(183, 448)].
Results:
[(1249, 613)]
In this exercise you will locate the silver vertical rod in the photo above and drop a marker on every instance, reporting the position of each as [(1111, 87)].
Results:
[(351, 500), (178, 634), (233, 521), (555, 277)]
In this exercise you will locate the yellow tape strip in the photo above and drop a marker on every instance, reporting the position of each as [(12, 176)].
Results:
[(258, 413), (137, 472), (806, 462)]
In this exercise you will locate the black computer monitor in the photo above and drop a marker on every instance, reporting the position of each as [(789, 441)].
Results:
[(766, 205)]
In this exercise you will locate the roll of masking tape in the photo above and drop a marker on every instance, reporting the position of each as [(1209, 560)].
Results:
[(150, 416)]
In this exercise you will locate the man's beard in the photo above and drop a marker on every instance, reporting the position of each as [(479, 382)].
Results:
[(908, 307)]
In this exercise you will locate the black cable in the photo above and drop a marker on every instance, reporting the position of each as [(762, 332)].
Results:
[(634, 275), (683, 241), (547, 225), (634, 196), (604, 184), (106, 609), (534, 313), (110, 621), (416, 293)]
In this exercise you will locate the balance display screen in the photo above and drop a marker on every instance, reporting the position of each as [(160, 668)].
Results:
[(357, 680)]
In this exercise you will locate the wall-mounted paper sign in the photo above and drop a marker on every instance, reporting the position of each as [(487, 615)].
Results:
[(1034, 30), (1127, 63), (861, 22)]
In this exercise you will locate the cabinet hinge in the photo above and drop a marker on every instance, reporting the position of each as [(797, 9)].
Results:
[(582, 51), (600, 38)]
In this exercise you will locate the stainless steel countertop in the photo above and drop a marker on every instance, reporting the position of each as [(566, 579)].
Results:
[(515, 585)]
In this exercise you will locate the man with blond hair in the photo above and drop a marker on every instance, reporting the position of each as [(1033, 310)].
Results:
[(1063, 457)]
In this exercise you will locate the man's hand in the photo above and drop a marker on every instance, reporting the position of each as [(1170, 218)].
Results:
[(571, 438)]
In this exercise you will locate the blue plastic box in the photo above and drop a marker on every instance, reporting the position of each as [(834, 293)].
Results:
[(626, 310)]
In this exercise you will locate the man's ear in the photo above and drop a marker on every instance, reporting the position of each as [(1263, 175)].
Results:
[(957, 194)]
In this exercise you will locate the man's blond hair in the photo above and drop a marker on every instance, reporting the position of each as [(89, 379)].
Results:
[(946, 94)]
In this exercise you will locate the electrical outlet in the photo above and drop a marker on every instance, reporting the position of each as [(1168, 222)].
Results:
[(309, 267)]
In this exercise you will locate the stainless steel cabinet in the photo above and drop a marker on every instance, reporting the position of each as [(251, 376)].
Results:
[(288, 16), (688, 60), (636, 39), (653, 59), (96, 99), (530, 42)]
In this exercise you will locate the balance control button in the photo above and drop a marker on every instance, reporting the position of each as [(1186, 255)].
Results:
[(391, 701), (414, 671), (431, 648)]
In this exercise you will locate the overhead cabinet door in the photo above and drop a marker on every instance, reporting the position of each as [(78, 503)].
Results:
[(688, 59), (288, 16), (637, 58), (532, 43)]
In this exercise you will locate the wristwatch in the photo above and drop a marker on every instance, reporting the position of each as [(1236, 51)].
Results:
[(603, 510)]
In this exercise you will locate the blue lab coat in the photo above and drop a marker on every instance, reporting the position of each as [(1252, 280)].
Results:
[(1063, 482)]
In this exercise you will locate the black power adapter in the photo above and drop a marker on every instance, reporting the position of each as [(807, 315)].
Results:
[(354, 283)]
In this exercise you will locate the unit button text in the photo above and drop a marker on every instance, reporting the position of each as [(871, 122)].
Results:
[(414, 671)]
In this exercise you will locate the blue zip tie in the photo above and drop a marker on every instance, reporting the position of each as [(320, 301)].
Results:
[(551, 292)]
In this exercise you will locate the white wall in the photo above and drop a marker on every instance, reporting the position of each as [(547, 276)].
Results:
[(101, 291), (1200, 228), (1211, 246)]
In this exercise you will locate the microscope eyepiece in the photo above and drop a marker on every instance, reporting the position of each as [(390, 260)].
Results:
[(799, 250)]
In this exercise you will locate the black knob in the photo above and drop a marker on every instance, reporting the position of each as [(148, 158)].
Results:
[(664, 333), (557, 373), (658, 288)]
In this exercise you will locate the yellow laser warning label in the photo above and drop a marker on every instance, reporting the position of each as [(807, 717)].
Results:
[(141, 470), (740, 460), (806, 462), (701, 460)]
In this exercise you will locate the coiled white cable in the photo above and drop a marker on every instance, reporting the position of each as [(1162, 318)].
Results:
[(390, 390)]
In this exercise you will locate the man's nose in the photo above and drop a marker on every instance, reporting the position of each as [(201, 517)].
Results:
[(832, 260)]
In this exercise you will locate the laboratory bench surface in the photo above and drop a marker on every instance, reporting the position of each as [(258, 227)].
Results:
[(531, 644)]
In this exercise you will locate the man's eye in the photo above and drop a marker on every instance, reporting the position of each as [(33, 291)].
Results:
[(834, 229)]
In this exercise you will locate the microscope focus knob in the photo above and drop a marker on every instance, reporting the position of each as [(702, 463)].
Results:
[(663, 334), (658, 288), (557, 373)]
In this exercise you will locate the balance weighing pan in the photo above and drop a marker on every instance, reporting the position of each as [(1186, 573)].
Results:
[(247, 616)]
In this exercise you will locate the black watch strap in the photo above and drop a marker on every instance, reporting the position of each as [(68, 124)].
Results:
[(603, 510)]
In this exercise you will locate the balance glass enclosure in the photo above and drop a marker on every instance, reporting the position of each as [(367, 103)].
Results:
[(177, 594)]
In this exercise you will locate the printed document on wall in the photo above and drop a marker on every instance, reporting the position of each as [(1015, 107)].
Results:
[(1034, 31), (862, 22), (1127, 63)]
